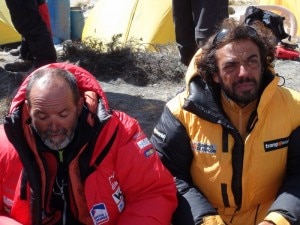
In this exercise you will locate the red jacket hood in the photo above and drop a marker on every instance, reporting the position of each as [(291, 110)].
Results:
[(85, 80)]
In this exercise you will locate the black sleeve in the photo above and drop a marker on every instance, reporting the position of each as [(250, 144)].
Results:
[(288, 201), (173, 145)]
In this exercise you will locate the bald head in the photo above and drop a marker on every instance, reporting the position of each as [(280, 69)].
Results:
[(52, 81)]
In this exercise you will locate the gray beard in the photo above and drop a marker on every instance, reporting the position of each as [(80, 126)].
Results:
[(60, 146), (54, 146)]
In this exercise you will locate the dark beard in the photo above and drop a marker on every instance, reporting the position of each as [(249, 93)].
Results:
[(246, 97)]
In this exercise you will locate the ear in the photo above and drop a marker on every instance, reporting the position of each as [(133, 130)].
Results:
[(216, 78), (27, 106), (80, 105)]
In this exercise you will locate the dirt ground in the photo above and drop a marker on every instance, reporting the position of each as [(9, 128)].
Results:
[(141, 93)]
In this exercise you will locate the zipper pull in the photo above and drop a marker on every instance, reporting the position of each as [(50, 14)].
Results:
[(61, 155)]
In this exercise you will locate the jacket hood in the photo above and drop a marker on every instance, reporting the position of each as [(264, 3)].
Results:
[(87, 84), (192, 68)]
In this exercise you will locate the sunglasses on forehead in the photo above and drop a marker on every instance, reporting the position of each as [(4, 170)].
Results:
[(251, 32)]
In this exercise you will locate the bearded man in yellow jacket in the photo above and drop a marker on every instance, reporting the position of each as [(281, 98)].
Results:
[(231, 139)]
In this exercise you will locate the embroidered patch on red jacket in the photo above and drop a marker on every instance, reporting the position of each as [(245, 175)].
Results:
[(144, 144), (99, 214), (149, 152)]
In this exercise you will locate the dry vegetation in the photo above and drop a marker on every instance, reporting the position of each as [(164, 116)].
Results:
[(130, 63)]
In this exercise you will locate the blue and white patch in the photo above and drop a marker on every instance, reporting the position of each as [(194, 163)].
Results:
[(204, 147), (143, 143), (99, 214), (119, 199), (121, 206)]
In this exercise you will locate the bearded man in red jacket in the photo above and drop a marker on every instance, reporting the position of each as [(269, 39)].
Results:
[(67, 158)]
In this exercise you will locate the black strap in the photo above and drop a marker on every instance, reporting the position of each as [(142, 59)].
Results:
[(103, 153), (224, 140), (24, 180)]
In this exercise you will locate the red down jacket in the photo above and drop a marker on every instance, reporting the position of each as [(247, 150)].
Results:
[(130, 186)]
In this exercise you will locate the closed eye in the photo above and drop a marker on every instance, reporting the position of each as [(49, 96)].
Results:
[(63, 114)]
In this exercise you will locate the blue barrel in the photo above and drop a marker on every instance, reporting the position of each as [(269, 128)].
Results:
[(59, 11), (77, 23)]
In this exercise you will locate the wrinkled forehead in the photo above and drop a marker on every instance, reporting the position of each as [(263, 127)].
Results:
[(50, 99), (239, 49)]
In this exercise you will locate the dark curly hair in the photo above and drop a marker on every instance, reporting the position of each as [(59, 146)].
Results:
[(233, 30)]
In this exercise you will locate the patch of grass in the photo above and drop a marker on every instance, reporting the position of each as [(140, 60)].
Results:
[(132, 62)]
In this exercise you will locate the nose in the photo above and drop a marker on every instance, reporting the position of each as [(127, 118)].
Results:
[(53, 125), (243, 70)]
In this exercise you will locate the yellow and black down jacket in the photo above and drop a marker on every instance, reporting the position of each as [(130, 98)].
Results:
[(218, 173)]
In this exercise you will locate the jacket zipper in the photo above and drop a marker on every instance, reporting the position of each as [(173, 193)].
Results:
[(61, 188)]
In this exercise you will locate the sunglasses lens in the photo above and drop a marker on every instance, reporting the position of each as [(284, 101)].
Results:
[(220, 36), (251, 32)]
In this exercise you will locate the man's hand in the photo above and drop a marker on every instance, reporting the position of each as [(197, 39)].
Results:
[(267, 223), (212, 220)]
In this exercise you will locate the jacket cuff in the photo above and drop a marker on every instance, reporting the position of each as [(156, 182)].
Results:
[(209, 220), (277, 218)]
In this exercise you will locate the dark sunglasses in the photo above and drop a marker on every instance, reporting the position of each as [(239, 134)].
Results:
[(252, 33)]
